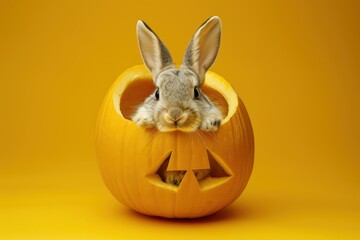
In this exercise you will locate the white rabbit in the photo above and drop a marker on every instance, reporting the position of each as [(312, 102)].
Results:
[(178, 102)]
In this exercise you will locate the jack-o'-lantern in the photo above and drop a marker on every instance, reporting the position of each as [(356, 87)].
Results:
[(132, 159)]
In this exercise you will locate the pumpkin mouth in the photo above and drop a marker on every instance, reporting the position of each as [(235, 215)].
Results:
[(216, 175)]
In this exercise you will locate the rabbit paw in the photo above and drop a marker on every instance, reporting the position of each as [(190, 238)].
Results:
[(210, 124), (144, 120)]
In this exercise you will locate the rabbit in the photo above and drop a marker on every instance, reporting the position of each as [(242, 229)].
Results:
[(178, 102)]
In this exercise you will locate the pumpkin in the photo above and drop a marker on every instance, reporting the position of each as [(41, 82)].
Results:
[(132, 159)]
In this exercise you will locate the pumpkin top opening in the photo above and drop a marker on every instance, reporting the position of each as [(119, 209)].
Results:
[(135, 85)]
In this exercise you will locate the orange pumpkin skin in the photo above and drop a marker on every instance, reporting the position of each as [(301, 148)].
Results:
[(129, 156)]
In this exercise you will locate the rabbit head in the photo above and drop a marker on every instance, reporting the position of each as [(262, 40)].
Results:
[(178, 102)]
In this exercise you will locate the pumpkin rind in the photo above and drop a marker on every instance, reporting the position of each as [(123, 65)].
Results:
[(129, 156)]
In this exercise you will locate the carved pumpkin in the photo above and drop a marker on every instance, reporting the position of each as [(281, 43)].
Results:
[(132, 158)]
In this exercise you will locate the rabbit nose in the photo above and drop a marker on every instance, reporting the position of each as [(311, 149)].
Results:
[(175, 113), (175, 116)]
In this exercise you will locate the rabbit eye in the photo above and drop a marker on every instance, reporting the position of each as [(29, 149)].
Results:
[(157, 94), (196, 93)]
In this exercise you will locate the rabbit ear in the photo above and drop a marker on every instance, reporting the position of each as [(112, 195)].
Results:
[(153, 52), (203, 47)]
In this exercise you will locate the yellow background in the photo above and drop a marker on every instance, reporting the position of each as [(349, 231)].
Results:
[(295, 64)]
